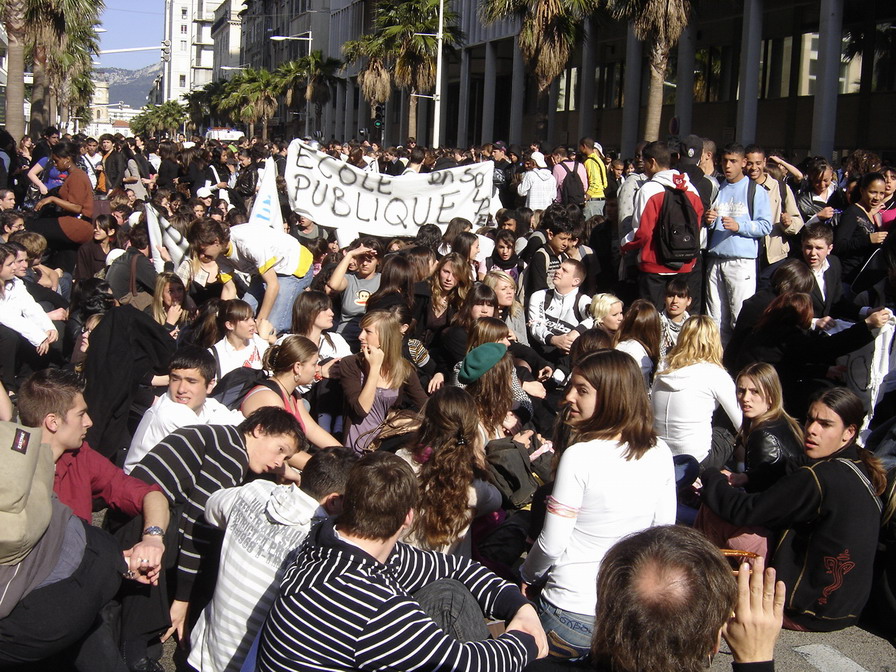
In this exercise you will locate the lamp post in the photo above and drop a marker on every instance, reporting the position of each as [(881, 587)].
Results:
[(301, 37), (437, 94)]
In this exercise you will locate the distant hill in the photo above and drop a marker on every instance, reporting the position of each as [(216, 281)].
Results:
[(129, 86)]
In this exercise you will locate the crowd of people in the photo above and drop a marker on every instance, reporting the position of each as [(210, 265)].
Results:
[(312, 456)]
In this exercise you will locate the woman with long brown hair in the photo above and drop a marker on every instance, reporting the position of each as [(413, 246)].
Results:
[(615, 478), (377, 379), (770, 441), (438, 301), (639, 337), (448, 456)]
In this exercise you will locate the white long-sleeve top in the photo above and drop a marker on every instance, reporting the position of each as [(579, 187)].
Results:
[(558, 316), (23, 314), (598, 498), (683, 403)]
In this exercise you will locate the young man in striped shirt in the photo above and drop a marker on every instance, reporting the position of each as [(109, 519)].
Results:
[(189, 465), (350, 601)]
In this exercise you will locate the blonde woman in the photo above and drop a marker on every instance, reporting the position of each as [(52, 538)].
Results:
[(688, 389), (769, 440), (509, 309), (169, 303), (606, 309), (377, 379)]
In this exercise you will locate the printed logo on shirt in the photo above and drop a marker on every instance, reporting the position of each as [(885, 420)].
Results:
[(732, 208), (361, 298), (837, 567), (20, 441)]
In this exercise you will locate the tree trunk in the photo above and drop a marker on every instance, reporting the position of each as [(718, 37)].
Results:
[(15, 74), (39, 93), (264, 128), (659, 59), (412, 114)]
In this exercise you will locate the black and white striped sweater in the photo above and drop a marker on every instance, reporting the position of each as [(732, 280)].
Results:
[(340, 609)]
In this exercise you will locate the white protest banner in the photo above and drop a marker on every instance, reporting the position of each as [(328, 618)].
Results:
[(266, 209), (336, 194), (161, 233)]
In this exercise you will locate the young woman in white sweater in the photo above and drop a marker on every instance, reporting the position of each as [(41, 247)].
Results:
[(691, 386), (615, 479)]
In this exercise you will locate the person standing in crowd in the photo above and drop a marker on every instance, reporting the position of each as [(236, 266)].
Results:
[(740, 216), (595, 198), (537, 186)]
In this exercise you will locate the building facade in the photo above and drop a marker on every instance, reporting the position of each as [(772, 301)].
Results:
[(188, 27)]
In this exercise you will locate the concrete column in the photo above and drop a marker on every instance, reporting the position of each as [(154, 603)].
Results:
[(586, 81), (517, 96), (553, 99), (631, 92), (827, 86), (488, 94), (463, 102), (340, 111), (684, 93), (349, 125), (362, 119), (748, 81), (403, 118)]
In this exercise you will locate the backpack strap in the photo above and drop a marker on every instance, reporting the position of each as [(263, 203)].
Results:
[(217, 364), (751, 195), (563, 165), (864, 479)]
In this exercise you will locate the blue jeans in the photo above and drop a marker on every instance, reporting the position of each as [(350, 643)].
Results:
[(569, 633), (290, 288)]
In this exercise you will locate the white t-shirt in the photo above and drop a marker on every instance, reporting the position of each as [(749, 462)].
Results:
[(165, 415), (598, 498), (255, 248), (229, 358)]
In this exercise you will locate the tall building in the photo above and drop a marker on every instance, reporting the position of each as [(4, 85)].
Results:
[(188, 26), (225, 36)]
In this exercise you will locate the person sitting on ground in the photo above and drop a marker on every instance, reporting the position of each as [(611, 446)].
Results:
[(53, 400), (240, 340), (650, 582), (688, 390), (823, 518), (292, 363), (559, 315), (769, 444), (639, 336), (264, 523), (191, 377), (674, 314), (190, 464), (377, 379), (448, 456), (374, 587), (606, 309)]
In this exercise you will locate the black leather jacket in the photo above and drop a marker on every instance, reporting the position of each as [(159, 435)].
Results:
[(771, 452)]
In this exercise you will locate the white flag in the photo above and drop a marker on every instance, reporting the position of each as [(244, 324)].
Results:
[(162, 233), (266, 209)]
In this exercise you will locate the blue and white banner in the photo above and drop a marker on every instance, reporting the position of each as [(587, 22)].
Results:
[(162, 234)]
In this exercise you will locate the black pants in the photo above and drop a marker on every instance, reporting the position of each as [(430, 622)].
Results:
[(63, 250), (19, 359), (64, 617)]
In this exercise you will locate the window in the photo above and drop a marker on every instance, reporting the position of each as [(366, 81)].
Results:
[(182, 81), (183, 45), (183, 12), (183, 29)]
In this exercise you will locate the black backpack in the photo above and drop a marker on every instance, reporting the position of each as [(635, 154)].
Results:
[(571, 190), (233, 387), (677, 232)]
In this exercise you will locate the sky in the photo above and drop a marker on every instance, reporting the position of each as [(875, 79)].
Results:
[(130, 23)]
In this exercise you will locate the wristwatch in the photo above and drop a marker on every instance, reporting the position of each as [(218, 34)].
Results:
[(153, 531)]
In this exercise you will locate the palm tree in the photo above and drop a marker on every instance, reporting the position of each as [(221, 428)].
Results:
[(254, 97), (402, 44), (314, 75), (658, 23), (883, 51), (14, 20), (549, 31), (50, 26)]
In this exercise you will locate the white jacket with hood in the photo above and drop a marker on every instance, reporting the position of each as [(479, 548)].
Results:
[(683, 403)]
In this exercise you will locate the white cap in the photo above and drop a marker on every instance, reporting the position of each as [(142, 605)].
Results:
[(538, 158)]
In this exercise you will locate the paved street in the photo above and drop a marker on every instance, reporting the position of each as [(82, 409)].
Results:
[(851, 650)]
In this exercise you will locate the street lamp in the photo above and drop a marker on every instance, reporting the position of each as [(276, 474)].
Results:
[(301, 37), (437, 94), (234, 67)]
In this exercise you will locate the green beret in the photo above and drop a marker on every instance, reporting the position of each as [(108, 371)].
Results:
[(479, 360)]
